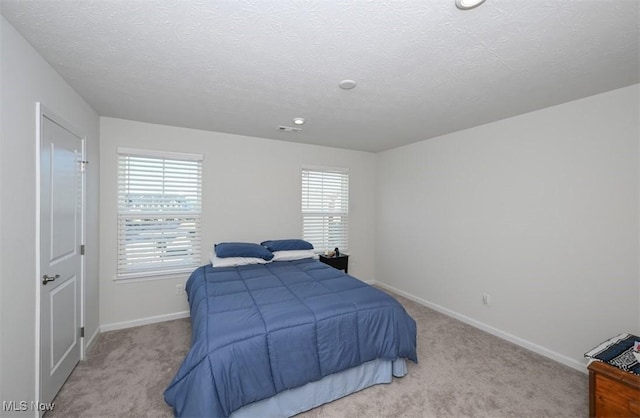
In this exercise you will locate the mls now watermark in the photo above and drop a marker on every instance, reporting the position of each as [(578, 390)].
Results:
[(13, 406)]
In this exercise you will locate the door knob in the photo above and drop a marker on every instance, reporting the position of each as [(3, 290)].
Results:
[(46, 279)]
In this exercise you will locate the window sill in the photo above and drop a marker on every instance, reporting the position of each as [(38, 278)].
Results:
[(155, 275)]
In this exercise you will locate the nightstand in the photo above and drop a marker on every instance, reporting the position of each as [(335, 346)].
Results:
[(340, 262)]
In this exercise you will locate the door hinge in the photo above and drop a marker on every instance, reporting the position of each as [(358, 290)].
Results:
[(82, 249), (83, 165), (82, 332)]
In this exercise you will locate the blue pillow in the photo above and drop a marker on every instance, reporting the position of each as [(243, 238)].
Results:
[(242, 249), (287, 245)]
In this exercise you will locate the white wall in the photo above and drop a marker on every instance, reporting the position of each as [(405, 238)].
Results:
[(540, 211), (251, 192), (26, 79)]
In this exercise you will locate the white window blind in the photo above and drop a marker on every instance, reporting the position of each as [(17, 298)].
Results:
[(325, 208), (159, 212)]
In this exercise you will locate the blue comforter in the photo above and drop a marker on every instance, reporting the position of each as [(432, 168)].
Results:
[(261, 329)]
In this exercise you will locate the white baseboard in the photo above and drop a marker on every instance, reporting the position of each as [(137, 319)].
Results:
[(91, 340), (560, 358), (144, 321)]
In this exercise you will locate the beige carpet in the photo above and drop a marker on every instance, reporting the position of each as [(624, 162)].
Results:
[(463, 372)]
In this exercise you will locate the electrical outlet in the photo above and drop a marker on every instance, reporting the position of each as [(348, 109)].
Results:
[(485, 298), (179, 289)]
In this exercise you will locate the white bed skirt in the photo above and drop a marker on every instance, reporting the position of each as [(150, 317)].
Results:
[(332, 387)]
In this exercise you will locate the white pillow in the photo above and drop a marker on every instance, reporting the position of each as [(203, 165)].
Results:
[(293, 255), (235, 261)]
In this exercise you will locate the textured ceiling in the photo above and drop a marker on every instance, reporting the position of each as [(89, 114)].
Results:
[(423, 68)]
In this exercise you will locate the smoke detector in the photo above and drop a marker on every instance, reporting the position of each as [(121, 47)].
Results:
[(347, 84)]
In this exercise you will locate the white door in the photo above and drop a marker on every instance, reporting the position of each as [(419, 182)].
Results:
[(61, 203)]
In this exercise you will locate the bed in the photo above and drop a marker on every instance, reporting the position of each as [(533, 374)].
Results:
[(280, 338)]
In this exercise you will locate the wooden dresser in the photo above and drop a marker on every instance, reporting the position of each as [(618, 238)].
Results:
[(613, 392)]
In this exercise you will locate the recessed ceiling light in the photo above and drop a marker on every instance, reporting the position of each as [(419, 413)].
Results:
[(347, 84), (468, 4), (298, 121)]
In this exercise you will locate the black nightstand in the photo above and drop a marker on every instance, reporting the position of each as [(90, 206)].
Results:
[(340, 262)]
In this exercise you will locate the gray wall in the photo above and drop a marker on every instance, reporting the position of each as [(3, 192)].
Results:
[(540, 211), (26, 79), (251, 192)]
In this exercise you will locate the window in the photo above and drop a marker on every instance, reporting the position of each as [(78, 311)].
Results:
[(159, 211), (325, 208)]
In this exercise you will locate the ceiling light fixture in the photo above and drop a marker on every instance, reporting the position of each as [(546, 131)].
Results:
[(347, 84), (298, 121), (468, 4)]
